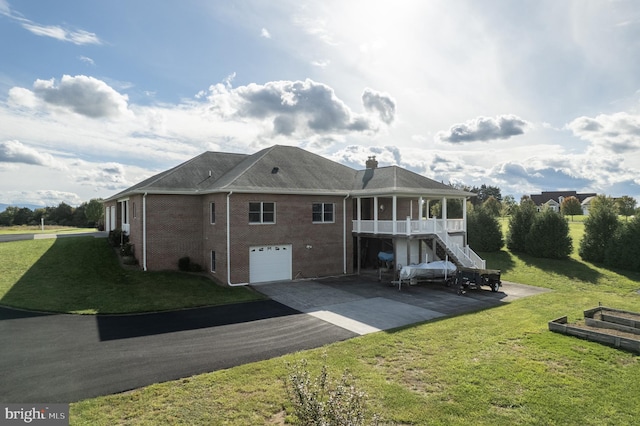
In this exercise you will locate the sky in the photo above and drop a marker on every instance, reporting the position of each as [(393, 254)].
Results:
[(525, 95)]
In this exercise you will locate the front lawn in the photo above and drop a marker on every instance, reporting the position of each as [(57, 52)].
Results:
[(500, 366), (83, 275)]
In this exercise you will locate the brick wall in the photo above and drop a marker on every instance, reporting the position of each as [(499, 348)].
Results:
[(174, 230), (293, 226), (180, 225)]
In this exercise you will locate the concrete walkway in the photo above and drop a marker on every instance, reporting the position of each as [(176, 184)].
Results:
[(363, 305)]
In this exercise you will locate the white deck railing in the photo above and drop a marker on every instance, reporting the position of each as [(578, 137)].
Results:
[(439, 227), (408, 227)]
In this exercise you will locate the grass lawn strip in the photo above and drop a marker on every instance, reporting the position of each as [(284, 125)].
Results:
[(83, 275)]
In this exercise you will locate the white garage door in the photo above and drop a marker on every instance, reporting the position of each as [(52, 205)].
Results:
[(269, 263)]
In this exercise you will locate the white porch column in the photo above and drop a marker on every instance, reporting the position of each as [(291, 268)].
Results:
[(395, 214), (359, 212), (464, 215), (375, 215), (444, 209)]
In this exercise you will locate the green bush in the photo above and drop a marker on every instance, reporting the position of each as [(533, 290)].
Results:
[(321, 401), (549, 236), (520, 224), (186, 265), (599, 227), (483, 231), (623, 249)]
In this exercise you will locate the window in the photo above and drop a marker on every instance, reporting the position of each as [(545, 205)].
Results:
[(213, 261), (262, 212), (213, 213), (322, 212), (133, 209)]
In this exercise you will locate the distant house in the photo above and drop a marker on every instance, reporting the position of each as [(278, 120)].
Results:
[(284, 213), (553, 199)]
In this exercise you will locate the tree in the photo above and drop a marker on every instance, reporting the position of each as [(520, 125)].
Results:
[(599, 227), (61, 215), (95, 211), (484, 192), (623, 248), (508, 203), (492, 206), (571, 206), (626, 206), (483, 231), (454, 209), (520, 224), (549, 236)]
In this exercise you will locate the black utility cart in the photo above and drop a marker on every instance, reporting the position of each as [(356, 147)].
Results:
[(473, 278)]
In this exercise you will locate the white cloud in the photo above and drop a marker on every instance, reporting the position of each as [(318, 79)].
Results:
[(83, 95), (87, 60), (299, 108), (15, 152), (484, 129), (79, 37), (618, 133), (264, 33)]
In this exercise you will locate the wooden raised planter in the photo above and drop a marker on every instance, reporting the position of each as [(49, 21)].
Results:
[(613, 327)]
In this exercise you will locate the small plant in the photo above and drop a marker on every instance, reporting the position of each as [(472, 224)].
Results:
[(126, 249), (185, 265), (322, 401)]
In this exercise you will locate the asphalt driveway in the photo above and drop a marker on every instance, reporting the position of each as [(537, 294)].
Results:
[(65, 358)]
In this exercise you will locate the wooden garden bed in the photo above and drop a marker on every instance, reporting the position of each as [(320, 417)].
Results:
[(613, 327)]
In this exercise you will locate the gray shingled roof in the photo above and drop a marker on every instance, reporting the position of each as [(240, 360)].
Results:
[(394, 179), (287, 168), (284, 169)]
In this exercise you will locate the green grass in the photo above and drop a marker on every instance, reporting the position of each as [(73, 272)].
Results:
[(83, 275), (500, 366)]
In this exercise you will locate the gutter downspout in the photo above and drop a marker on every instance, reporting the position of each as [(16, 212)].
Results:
[(144, 232), (229, 244), (344, 234)]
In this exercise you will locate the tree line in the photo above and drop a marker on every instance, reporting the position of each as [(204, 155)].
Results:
[(607, 239), (87, 215)]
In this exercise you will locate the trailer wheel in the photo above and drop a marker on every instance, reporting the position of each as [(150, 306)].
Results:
[(495, 286)]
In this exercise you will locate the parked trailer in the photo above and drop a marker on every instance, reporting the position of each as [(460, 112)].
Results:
[(473, 278)]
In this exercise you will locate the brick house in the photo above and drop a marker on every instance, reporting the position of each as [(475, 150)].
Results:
[(284, 213)]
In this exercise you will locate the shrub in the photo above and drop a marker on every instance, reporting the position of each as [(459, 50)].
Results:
[(599, 227), (185, 265), (520, 224), (321, 401), (623, 248), (549, 236), (484, 231)]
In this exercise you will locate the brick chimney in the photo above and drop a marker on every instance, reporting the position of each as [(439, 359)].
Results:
[(371, 162)]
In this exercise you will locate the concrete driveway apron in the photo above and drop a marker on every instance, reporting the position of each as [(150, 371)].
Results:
[(363, 305)]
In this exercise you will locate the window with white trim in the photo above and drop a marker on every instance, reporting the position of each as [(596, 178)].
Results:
[(323, 212), (262, 212)]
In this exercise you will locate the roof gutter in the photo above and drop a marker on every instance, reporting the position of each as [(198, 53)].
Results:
[(229, 244)]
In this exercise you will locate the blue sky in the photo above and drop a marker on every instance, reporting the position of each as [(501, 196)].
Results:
[(525, 95)]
